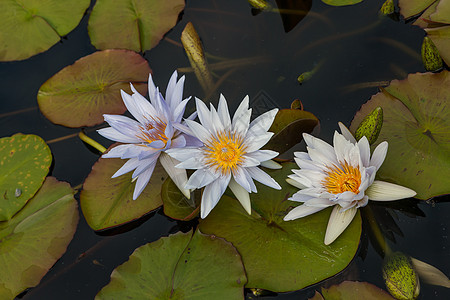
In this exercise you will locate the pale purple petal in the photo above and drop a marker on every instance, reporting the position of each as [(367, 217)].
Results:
[(114, 135), (212, 194), (261, 176), (142, 181)]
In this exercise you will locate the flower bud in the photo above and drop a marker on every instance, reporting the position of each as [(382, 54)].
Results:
[(430, 56), (400, 276), (387, 8), (370, 126)]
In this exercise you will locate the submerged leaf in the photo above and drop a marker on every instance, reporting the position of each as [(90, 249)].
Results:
[(36, 237), (417, 127), (341, 2), (430, 274), (176, 205), (136, 25), (108, 202), (25, 161), (81, 93), (181, 266), (281, 256), (30, 27)]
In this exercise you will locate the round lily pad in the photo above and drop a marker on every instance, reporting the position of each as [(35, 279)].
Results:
[(108, 202), (288, 126), (31, 27), (24, 163), (181, 266), (281, 256), (36, 237), (136, 25), (81, 93), (416, 125), (176, 205)]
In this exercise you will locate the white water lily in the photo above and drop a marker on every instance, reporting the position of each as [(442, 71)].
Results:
[(153, 133), (342, 176), (230, 155)]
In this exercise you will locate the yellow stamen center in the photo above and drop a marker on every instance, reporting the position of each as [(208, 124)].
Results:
[(153, 130), (342, 178), (224, 152)]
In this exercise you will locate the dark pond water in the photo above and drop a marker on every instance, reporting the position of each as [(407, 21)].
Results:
[(355, 46)]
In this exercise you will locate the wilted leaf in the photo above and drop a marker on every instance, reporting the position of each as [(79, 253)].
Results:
[(24, 164), (29, 27), (81, 93), (409, 8), (417, 127), (281, 255), (349, 290), (288, 126), (108, 202), (36, 237), (136, 25), (181, 266)]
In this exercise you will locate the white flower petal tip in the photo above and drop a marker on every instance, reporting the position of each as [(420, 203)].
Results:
[(338, 222), (385, 191), (242, 195), (178, 176), (295, 183), (346, 133), (271, 164), (301, 211), (430, 274)]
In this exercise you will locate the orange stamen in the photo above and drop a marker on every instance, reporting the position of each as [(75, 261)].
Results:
[(342, 178), (153, 130)]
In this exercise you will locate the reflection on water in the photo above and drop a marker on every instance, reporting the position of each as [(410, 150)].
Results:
[(261, 56)]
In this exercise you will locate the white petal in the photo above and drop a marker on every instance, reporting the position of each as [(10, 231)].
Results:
[(249, 162), (364, 150), (242, 109), (298, 197), (114, 135), (263, 177), (200, 178), (142, 181), (124, 125), (295, 183), (261, 124), (191, 163), (319, 202), (379, 154), (178, 142), (178, 176), (204, 115), (241, 194), (430, 274), (178, 112), (385, 191), (301, 211), (130, 165), (262, 155), (270, 164), (338, 222), (212, 194), (302, 181), (342, 148), (346, 133), (199, 131), (183, 128), (240, 125), (223, 112), (319, 145), (183, 154), (117, 151), (309, 164), (243, 178), (255, 143), (319, 157)]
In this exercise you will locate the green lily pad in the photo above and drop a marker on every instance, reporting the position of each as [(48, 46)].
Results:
[(176, 205), (136, 25), (349, 290), (108, 202), (341, 2), (25, 161), (288, 126), (30, 27), (281, 256), (36, 237), (181, 266), (417, 127), (81, 93), (410, 8)]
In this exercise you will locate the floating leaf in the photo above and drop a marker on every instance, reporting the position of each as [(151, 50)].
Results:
[(136, 25), (194, 50), (400, 276), (176, 205), (181, 266), (288, 126), (25, 161), (80, 94), (349, 290), (341, 2), (30, 27), (108, 202), (409, 8), (281, 256), (417, 127), (36, 237)]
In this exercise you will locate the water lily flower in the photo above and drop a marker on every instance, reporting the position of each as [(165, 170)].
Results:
[(153, 132), (230, 155), (343, 176)]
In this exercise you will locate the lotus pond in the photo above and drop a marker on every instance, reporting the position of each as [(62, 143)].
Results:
[(70, 231)]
